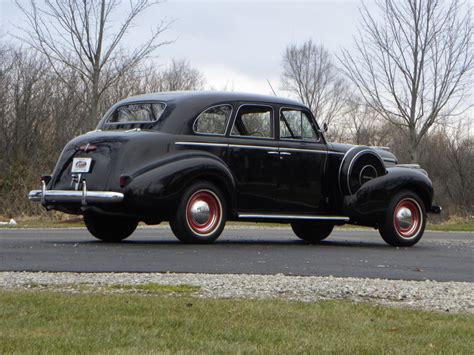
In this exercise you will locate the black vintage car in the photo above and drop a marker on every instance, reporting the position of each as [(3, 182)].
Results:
[(197, 159)]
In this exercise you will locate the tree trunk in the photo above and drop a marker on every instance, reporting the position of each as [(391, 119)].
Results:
[(413, 145), (94, 102)]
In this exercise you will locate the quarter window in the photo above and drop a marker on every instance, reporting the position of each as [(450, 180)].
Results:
[(253, 121), (296, 124), (138, 113), (213, 120)]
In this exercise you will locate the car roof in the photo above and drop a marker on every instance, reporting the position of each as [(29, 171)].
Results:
[(208, 97)]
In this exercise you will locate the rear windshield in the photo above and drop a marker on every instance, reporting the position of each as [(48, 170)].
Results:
[(137, 113)]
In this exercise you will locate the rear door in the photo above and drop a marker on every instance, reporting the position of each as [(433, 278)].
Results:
[(254, 158), (303, 156)]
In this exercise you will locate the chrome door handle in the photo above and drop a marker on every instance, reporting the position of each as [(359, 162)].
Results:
[(285, 153), (273, 152)]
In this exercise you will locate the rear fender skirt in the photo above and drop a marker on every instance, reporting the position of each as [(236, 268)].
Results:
[(156, 190), (370, 202)]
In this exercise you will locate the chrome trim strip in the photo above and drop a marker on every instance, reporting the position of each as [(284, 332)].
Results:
[(318, 151), (202, 144), (289, 216), (244, 146), (75, 196)]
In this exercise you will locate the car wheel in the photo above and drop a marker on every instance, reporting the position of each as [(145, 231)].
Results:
[(404, 221), (200, 217), (111, 229), (312, 232)]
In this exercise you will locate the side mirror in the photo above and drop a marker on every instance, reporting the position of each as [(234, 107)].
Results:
[(325, 127)]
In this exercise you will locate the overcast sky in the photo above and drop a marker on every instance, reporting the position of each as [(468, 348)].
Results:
[(236, 44)]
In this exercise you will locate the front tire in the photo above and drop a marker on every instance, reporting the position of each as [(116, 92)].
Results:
[(111, 229), (312, 232), (404, 221), (201, 214)]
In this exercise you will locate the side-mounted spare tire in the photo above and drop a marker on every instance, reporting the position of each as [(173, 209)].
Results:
[(359, 165)]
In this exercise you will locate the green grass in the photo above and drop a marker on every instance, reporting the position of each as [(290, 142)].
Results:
[(42, 321)]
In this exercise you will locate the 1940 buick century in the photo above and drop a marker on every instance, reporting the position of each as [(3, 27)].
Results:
[(197, 159)]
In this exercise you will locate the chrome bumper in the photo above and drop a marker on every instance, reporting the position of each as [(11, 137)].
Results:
[(83, 196)]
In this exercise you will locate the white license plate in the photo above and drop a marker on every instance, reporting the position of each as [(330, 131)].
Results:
[(81, 165)]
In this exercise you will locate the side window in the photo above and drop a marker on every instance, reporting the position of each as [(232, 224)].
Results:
[(134, 113), (296, 124), (213, 120), (253, 121)]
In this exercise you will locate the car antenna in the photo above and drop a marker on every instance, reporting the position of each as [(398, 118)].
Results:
[(271, 87)]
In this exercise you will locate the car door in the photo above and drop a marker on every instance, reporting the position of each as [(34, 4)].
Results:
[(303, 156), (254, 158)]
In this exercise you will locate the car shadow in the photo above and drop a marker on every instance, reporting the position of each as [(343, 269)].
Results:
[(228, 242)]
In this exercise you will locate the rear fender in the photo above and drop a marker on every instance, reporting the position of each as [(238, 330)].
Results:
[(157, 188), (368, 205)]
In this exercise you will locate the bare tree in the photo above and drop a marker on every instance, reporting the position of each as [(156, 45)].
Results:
[(178, 76), (84, 36), (413, 62), (309, 73)]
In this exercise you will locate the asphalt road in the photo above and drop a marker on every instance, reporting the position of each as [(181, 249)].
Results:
[(438, 256)]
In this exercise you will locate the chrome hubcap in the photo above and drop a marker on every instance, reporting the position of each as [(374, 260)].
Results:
[(200, 212), (404, 218)]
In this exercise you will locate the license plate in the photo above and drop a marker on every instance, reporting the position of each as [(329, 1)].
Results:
[(81, 165)]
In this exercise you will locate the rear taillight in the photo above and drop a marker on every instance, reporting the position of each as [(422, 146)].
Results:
[(88, 147), (124, 180)]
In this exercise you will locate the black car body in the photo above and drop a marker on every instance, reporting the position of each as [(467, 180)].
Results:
[(197, 159)]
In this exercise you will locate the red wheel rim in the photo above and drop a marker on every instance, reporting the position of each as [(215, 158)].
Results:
[(203, 212), (407, 218)]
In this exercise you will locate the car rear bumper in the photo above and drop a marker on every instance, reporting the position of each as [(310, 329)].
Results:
[(82, 197)]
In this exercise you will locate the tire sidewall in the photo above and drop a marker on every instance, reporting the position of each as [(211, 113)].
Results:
[(388, 229), (180, 224)]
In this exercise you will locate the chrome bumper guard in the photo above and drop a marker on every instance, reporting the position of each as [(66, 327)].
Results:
[(83, 196)]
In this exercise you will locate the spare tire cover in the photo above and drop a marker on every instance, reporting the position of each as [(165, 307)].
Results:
[(359, 165)]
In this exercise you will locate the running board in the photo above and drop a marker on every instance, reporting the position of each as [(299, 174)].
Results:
[(294, 216)]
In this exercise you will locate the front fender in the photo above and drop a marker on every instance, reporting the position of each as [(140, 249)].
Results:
[(368, 205), (155, 189)]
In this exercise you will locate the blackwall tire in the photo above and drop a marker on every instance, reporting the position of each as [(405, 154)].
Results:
[(201, 214), (109, 229), (312, 232), (359, 165), (405, 220)]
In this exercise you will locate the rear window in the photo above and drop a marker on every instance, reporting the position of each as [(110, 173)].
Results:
[(137, 113)]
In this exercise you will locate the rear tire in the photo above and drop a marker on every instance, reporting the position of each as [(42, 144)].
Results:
[(111, 229), (201, 214), (312, 232), (404, 221)]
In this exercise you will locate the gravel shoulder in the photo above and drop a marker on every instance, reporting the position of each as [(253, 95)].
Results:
[(455, 297)]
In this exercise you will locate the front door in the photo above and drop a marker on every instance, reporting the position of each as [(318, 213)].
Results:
[(254, 158), (303, 156)]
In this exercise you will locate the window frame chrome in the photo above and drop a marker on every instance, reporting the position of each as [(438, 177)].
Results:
[(311, 118), (226, 125), (272, 117)]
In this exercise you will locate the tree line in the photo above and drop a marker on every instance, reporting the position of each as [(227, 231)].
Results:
[(405, 85)]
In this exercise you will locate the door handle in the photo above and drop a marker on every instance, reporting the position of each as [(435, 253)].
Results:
[(273, 152), (285, 153)]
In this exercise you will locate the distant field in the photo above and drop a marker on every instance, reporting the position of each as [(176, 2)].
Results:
[(455, 226), (170, 320)]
